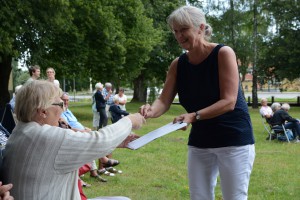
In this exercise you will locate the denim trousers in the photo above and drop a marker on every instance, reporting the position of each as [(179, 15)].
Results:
[(233, 164)]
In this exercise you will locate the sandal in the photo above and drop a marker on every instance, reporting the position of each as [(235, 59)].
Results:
[(111, 163), (84, 184), (99, 178), (113, 170), (104, 172)]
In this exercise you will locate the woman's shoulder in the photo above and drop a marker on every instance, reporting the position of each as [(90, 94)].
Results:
[(173, 65), (225, 50)]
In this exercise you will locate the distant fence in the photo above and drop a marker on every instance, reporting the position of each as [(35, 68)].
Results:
[(291, 101)]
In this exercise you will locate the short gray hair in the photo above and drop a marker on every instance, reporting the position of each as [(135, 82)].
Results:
[(286, 106), (275, 106), (99, 86), (189, 16), (38, 94), (108, 84)]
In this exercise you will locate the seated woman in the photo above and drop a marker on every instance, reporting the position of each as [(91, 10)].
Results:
[(42, 160), (265, 110), (116, 112)]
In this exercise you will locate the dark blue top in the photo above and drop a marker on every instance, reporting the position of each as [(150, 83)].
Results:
[(116, 113), (198, 88), (100, 102)]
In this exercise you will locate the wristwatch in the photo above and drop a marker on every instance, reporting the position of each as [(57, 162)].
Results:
[(198, 116)]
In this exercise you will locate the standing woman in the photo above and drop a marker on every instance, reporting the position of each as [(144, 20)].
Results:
[(51, 76), (100, 105), (96, 116), (207, 82)]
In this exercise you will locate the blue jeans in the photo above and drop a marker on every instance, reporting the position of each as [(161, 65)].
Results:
[(295, 126)]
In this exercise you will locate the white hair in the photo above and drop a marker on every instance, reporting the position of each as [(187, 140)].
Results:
[(275, 106), (38, 94), (108, 84), (99, 86), (286, 106), (190, 16)]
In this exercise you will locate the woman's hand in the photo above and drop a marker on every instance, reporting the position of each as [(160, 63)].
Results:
[(137, 120), (130, 138), (146, 111), (187, 118)]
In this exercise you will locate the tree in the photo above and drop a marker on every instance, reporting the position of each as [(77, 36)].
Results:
[(27, 26), (281, 56), (166, 49)]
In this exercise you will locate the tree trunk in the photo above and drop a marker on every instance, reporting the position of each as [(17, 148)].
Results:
[(139, 89), (254, 72), (5, 70)]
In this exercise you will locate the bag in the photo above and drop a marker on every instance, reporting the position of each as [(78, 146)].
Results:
[(289, 133)]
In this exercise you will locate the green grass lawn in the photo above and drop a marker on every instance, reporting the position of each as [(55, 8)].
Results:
[(158, 170)]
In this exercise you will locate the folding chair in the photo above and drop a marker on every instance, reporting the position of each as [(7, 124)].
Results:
[(274, 130), (8, 120), (267, 127), (280, 129)]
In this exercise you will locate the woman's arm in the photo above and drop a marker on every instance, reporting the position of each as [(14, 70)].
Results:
[(228, 83), (162, 104)]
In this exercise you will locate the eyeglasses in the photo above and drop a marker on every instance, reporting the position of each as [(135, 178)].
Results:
[(60, 104)]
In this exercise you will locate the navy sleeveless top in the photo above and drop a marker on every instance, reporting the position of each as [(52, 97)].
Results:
[(198, 88)]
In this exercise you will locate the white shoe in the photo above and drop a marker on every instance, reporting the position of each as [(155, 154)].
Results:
[(105, 172), (113, 170)]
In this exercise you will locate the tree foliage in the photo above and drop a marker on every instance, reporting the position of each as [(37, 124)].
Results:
[(281, 56), (129, 41), (154, 71)]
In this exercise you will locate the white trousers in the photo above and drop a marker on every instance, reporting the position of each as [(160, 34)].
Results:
[(107, 111), (96, 118), (234, 165)]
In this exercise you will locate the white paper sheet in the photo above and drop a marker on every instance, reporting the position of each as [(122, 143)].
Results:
[(145, 139)]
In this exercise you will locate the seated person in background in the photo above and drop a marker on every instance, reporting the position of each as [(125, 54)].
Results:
[(275, 106), (286, 107), (69, 117), (41, 160), (265, 110), (116, 112), (280, 116)]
